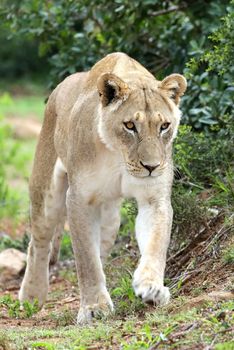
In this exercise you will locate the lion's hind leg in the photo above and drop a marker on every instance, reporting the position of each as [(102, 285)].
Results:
[(110, 223), (56, 240), (60, 186), (47, 215)]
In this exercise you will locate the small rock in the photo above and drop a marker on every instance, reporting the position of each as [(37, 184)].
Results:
[(4, 235), (221, 316), (201, 300), (25, 128), (214, 212), (12, 263)]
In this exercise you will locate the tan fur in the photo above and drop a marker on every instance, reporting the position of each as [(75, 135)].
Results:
[(87, 160)]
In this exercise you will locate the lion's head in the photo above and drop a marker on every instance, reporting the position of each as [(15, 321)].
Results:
[(140, 117)]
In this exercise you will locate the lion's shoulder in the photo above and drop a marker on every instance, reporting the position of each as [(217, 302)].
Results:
[(119, 64)]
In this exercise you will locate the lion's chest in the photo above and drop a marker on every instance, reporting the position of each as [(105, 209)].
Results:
[(101, 181), (108, 181)]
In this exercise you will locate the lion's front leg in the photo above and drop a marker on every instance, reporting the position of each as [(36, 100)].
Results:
[(153, 227), (84, 222)]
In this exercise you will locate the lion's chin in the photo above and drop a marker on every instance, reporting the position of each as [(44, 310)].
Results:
[(137, 175), (142, 176)]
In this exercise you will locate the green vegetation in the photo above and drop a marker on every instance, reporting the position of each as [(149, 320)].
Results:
[(228, 255), (14, 308), (66, 247), (20, 244), (26, 106), (220, 55), (128, 214), (164, 329), (126, 302)]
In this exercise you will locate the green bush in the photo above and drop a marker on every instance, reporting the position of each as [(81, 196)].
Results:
[(77, 33), (222, 52), (203, 162), (210, 76), (201, 158), (207, 99), (15, 62)]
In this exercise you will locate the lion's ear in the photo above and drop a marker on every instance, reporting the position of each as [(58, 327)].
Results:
[(174, 86), (111, 88)]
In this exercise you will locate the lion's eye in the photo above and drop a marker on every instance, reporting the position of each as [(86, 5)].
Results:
[(130, 126), (164, 126)]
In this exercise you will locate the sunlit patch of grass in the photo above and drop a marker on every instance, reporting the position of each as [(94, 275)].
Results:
[(22, 106), (164, 328), (17, 172), (4, 341), (41, 345), (16, 161), (69, 338), (225, 346), (64, 318)]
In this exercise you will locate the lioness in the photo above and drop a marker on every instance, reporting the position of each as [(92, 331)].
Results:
[(107, 135)]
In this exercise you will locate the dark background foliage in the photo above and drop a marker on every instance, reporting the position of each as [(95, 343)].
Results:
[(54, 38), (165, 36)]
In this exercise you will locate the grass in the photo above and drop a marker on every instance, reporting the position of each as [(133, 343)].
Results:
[(164, 328), (17, 155), (64, 318)]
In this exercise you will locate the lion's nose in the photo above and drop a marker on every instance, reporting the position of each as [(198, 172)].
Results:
[(151, 168)]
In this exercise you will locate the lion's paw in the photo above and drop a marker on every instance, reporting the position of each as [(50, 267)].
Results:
[(30, 292), (98, 310), (150, 289)]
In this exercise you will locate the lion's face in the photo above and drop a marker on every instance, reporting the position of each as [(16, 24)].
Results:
[(140, 121)]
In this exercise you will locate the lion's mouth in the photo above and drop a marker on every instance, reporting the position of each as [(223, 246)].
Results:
[(146, 174), (142, 175)]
